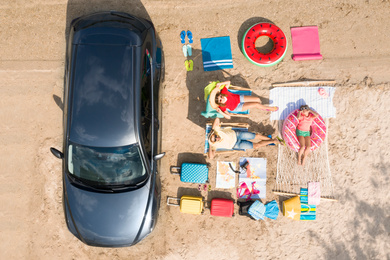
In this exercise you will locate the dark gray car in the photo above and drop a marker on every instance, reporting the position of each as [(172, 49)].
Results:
[(110, 151)]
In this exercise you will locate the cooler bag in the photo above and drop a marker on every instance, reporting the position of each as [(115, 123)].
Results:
[(192, 172), (222, 207)]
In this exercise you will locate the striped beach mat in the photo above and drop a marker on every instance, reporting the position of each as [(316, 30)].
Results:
[(216, 53)]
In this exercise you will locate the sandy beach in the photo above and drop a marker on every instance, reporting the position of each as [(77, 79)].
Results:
[(355, 46)]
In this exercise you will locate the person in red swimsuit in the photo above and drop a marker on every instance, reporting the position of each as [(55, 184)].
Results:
[(223, 100), (305, 117)]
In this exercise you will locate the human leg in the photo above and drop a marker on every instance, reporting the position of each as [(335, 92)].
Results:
[(307, 149), (248, 105), (301, 140)]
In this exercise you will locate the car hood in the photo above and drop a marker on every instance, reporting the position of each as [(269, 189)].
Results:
[(106, 219)]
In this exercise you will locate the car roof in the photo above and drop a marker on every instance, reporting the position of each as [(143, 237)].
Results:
[(102, 87)]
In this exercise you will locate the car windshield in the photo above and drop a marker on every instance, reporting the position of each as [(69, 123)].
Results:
[(106, 166)]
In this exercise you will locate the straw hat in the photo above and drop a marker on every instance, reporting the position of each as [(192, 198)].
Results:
[(213, 94)]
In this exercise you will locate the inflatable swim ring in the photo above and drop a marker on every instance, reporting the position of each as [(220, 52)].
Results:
[(264, 59), (318, 131)]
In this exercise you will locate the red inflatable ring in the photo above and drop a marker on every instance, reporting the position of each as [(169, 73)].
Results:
[(264, 59)]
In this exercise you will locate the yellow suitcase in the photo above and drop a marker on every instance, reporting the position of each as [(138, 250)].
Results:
[(188, 204)]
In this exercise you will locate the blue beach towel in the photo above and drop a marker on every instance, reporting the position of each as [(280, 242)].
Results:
[(216, 53), (272, 210)]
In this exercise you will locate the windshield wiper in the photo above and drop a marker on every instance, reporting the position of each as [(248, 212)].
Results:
[(88, 185)]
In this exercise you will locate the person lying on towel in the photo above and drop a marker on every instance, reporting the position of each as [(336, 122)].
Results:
[(227, 138), (222, 99)]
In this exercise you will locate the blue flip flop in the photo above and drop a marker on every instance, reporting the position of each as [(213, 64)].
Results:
[(183, 37), (270, 136), (189, 35)]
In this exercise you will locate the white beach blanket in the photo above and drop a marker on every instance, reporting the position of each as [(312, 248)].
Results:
[(290, 98)]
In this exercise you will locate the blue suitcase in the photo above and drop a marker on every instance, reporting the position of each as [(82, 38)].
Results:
[(192, 172)]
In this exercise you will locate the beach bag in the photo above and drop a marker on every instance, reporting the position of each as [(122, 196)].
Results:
[(297, 208)]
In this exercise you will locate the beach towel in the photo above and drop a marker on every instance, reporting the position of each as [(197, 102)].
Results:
[(290, 98), (305, 43), (271, 210), (254, 177), (308, 211), (314, 193), (257, 210), (216, 53)]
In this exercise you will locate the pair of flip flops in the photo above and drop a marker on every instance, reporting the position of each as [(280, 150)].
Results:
[(187, 48), (189, 64), (277, 137), (183, 37)]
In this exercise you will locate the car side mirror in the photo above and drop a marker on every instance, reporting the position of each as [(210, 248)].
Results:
[(56, 153), (159, 156)]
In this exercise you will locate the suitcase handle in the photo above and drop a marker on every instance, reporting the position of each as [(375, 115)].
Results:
[(175, 170), (172, 204)]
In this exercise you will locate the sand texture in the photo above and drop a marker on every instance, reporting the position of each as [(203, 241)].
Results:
[(354, 38)]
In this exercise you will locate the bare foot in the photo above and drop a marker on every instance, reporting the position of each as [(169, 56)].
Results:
[(303, 160), (299, 159), (272, 109)]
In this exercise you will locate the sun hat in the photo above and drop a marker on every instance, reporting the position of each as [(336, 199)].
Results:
[(213, 94)]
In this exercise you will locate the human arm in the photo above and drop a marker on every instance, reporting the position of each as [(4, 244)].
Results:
[(314, 113), (211, 153), (299, 115), (216, 123), (225, 114), (226, 84)]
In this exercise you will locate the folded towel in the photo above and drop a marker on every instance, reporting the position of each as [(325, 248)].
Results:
[(272, 210), (308, 211), (314, 193), (216, 53), (257, 210)]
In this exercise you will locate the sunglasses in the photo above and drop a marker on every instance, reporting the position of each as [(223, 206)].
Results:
[(214, 138), (303, 108)]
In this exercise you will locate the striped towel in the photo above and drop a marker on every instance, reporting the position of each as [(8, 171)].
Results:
[(290, 98), (308, 212), (216, 53), (257, 210), (314, 193)]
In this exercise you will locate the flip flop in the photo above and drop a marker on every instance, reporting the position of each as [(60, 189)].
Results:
[(270, 137), (187, 64), (189, 35), (209, 188), (185, 50), (189, 50), (191, 65), (183, 37), (272, 109), (281, 140)]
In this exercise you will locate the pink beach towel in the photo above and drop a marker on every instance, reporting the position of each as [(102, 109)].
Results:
[(314, 193), (306, 43)]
